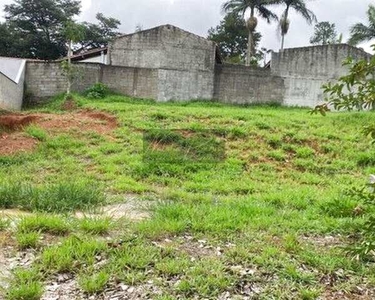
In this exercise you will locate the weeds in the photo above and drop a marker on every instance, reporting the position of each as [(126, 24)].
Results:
[(94, 283), (28, 240), (62, 197), (43, 223), (97, 226), (25, 285)]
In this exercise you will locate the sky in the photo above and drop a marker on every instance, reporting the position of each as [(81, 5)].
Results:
[(197, 16)]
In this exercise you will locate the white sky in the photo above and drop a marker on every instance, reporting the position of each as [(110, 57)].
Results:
[(198, 16)]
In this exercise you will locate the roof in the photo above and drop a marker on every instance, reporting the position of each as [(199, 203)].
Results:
[(87, 54), (12, 68)]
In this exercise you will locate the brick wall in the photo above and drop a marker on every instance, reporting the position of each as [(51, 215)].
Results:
[(245, 85)]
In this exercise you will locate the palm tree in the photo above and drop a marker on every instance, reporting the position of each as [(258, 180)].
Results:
[(300, 7), (362, 33), (253, 6)]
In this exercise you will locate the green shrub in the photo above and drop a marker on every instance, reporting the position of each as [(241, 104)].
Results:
[(97, 91)]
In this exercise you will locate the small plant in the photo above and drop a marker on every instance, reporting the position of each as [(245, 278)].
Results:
[(27, 240), (4, 224), (25, 284), (95, 225), (72, 254), (36, 132), (95, 283), (43, 223), (97, 91)]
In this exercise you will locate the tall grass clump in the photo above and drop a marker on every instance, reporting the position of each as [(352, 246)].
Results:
[(61, 197)]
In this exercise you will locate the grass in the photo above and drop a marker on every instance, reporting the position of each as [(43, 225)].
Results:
[(95, 283), (60, 197), (28, 240), (96, 226), (273, 212), (25, 284), (36, 132), (43, 223)]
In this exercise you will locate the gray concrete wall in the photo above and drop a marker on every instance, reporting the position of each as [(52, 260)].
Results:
[(183, 85), (45, 80), (247, 85), (135, 82), (306, 69), (165, 47), (295, 77), (11, 93)]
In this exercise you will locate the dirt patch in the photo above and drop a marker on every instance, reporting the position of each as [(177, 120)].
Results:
[(16, 122), (13, 141), (69, 105)]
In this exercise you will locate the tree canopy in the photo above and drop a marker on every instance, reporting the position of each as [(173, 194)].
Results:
[(35, 29), (232, 37), (325, 33), (361, 32)]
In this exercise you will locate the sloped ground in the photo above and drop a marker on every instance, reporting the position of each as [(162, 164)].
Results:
[(13, 140), (269, 220)]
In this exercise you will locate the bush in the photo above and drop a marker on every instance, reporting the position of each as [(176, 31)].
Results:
[(97, 91)]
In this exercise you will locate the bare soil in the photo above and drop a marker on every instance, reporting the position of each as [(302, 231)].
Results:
[(13, 140)]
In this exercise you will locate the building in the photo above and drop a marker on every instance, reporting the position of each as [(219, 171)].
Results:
[(98, 55), (167, 63)]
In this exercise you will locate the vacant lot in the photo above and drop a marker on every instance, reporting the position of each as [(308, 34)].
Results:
[(182, 201)]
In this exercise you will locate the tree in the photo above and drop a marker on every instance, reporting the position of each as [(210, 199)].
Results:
[(73, 33), (361, 32), (325, 33), (300, 7), (260, 7), (98, 35), (40, 23), (232, 37), (35, 29), (356, 91), (138, 27)]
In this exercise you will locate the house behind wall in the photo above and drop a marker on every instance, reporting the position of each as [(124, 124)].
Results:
[(167, 63)]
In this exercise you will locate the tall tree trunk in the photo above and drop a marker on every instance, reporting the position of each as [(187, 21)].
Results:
[(251, 26), (249, 48), (68, 90), (284, 27), (282, 41)]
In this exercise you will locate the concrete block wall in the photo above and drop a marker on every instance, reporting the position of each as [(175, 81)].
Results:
[(306, 69), (246, 85), (45, 80), (318, 62), (184, 85), (163, 47), (135, 82)]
